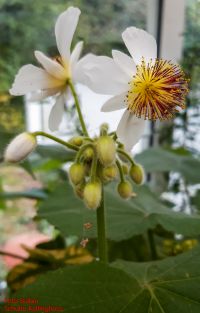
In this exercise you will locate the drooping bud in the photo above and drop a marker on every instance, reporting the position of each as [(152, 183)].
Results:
[(137, 173), (88, 154), (92, 194), (125, 189), (20, 147), (77, 173), (106, 150), (77, 141), (109, 172)]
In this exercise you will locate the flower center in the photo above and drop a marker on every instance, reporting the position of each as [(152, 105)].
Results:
[(157, 90), (66, 66)]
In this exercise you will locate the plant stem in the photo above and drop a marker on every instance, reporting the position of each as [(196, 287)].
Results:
[(126, 155), (152, 245), (94, 168), (121, 174), (82, 149), (85, 132), (62, 142), (101, 231), (12, 255)]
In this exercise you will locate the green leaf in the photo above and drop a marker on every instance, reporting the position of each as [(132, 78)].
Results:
[(168, 286), (159, 159), (31, 194), (55, 152), (124, 218)]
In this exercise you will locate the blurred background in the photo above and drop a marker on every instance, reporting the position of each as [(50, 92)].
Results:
[(169, 151)]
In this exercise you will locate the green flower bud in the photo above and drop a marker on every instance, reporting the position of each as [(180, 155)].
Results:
[(137, 174), (125, 190), (20, 147), (88, 154), (110, 172), (77, 141), (77, 173), (92, 195), (106, 150)]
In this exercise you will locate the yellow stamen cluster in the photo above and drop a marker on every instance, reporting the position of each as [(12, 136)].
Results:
[(157, 90)]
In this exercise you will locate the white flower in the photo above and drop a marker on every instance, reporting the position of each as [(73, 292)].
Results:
[(52, 78), (20, 147), (148, 88)]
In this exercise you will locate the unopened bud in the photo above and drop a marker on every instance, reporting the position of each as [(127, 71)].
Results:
[(88, 154), (77, 141), (77, 173), (104, 128), (125, 189), (106, 150), (137, 173), (110, 172), (20, 147), (92, 194)]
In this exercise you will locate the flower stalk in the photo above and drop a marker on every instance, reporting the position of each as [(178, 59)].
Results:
[(62, 142), (76, 100), (101, 231)]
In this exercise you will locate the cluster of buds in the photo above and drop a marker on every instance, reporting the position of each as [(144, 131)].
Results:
[(97, 162), (100, 161)]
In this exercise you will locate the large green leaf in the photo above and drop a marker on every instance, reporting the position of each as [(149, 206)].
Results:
[(171, 285), (168, 286), (162, 160), (124, 218)]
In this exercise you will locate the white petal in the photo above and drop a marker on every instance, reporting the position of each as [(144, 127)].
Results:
[(51, 66), (130, 129), (79, 69), (32, 78), (76, 53), (124, 62), (104, 76), (56, 113), (140, 44), (64, 30), (115, 103), (41, 95)]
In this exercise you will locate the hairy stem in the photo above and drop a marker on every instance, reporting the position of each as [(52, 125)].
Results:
[(120, 151), (62, 142), (121, 174), (101, 232)]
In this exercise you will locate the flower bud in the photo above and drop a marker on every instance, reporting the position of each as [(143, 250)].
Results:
[(125, 189), (77, 173), (20, 147), (137, 173), (88, 154), (77, 141), (92, 194), (106, 150), (109, 172)]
